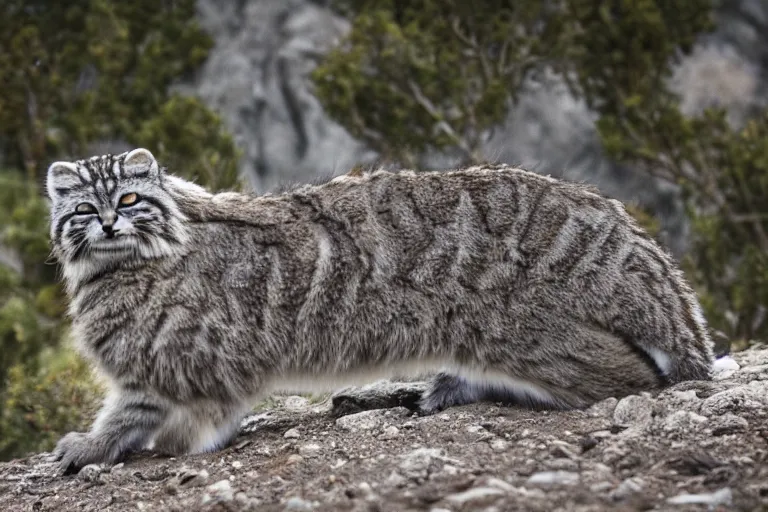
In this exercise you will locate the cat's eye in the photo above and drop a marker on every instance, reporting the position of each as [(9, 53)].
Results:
[(85, 208), (129, 199)]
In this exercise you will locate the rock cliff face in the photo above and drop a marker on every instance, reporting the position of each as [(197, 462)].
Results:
[(695, 446), (257, 73)]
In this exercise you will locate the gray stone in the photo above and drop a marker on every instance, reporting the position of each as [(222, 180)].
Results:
[(477, 496), (634, 410), (297, 504), (310, 450), (627, 488), (187, 477), (378, 395), (683, 421), (738, 399), (546, 478), (219, 492), (368, 420), (721, 497), (292, 433), (423, 461), (728, 424), (390, 432), (91, 472)]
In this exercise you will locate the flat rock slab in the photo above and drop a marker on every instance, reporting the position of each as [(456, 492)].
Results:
[(693, 447)]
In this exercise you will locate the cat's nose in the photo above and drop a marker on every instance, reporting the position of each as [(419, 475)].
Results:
[(109, 230)]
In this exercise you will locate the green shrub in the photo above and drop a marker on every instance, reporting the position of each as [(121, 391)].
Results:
[(55, 395)]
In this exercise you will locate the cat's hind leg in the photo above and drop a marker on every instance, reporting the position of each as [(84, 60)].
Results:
[(449, 390)]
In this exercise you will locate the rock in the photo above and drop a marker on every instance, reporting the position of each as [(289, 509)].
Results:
[(310, 449), (634, 410), (627, 488), (245, 502), (256, 77), (292, 433), (368, 420), (236, 464), (396, 479), (499, 445), (601, 487), (379, 395), (500, 484), (297, 504), (603, 407), (365, 491), (91, 472), (758, 369), (738, 399), (728, 424), (187, 477), (722, 497), (390, 432), (564, 450), (478, 496), (421, 462), (219, 492), (683, 420), (546, 478)]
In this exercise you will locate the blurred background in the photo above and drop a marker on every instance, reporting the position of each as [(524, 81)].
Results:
[(659, 103)]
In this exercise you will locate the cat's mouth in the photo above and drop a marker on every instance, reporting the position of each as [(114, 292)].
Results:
[(112, 246)]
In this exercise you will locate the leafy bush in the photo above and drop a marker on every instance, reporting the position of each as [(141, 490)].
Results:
[(411, 77)]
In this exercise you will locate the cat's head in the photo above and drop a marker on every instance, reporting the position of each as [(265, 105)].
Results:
[(112, 209)]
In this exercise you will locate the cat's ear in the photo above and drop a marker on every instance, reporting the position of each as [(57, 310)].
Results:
[(62, 177), (140, 163)]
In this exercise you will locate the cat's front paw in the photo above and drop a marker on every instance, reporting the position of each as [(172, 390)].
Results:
[(75, 450)]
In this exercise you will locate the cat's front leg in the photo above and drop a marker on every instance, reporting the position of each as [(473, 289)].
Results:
[(125, 423)]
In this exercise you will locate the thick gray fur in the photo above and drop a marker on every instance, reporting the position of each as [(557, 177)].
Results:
[(515, 286)]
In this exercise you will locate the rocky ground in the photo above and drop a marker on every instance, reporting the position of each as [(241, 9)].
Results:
[(696, 446)]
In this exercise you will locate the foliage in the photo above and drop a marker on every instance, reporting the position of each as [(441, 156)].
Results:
[(44, 400), (433, 74), (415, 76), (77, 75)]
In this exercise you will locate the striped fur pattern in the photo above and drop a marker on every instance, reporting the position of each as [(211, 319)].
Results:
[(512, 286)]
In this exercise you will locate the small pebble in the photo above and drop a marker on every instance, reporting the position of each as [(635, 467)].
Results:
[(478, 494), (292, 433), (713, 499), (391, 432), (499, 445), (554, 478), (309, 450), (295, 458), (298, 504), (627, 488), (219, 492), (91, 472)]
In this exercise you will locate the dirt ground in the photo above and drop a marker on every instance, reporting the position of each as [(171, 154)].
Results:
[(696, 446)]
